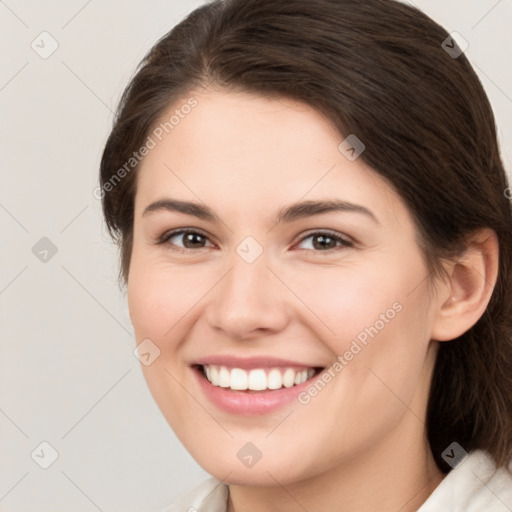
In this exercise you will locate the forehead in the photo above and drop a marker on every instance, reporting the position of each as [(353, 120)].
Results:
[(246, 151)]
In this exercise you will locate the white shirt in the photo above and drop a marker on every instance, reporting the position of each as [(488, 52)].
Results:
[(473, 486)]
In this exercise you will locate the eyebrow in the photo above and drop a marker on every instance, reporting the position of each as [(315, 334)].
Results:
[(287, 214)]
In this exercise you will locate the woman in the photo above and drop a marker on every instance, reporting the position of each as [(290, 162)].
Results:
[(316, 240)]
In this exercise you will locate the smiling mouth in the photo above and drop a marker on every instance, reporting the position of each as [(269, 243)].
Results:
[(256, 379)]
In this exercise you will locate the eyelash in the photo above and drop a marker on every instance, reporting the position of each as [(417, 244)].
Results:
[(333, 235)]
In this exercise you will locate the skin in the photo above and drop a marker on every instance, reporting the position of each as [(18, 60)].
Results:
[(360, 444)]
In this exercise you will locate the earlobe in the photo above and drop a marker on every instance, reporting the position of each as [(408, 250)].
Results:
[(469, 287)]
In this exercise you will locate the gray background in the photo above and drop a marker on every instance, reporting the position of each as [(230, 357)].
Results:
[(68, 375)]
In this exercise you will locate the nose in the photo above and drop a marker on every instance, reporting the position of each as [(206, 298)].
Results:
[(250, 301)]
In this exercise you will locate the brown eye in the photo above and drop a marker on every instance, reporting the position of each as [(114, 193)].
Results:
[(190, 239), (193, 240), (324, 241)]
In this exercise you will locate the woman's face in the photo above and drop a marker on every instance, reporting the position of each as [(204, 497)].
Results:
[(270, 293)]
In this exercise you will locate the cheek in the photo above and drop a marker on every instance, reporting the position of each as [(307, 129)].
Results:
[(158, 299), (375, 320), (346, 301), (380, 317), (160, 295)]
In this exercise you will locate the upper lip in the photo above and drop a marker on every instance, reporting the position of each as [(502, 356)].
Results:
[(251, 362)]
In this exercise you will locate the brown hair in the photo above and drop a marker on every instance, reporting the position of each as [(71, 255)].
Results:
[(376, 69)]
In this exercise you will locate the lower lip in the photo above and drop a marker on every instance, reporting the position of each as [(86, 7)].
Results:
[(249, 403)]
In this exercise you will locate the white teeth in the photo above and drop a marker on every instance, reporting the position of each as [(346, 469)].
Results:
[(238, 379), (274, 379), (302, 376), (288, 378), (214, 376), (224, 377), (257, 379)]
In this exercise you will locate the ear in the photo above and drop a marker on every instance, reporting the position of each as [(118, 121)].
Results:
[(463, 297)]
